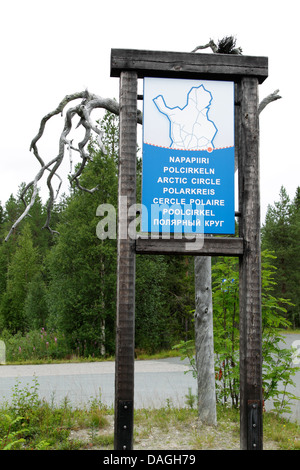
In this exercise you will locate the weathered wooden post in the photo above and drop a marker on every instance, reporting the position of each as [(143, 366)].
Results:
[(250, 268), (125, 334)]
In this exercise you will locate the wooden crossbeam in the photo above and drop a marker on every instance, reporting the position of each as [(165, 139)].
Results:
[(208, 246), (188, 65)]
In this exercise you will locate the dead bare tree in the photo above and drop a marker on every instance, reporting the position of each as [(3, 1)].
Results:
[(89, 102)]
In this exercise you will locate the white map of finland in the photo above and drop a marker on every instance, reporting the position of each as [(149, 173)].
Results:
[(190, 127)]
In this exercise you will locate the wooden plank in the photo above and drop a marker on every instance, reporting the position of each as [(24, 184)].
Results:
[(125, 323), (212, 246), (188, 65), (250, 268)]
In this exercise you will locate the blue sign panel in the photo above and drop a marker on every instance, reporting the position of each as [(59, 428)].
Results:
[(188, 156)]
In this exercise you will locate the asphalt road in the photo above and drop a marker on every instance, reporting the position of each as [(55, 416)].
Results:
[(157, 382)]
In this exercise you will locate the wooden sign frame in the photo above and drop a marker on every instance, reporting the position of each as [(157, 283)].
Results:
[(247, 72)]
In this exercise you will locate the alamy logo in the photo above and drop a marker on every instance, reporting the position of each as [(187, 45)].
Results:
[(107, 226)]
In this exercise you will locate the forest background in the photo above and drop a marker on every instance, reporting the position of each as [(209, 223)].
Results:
[(58, 292)]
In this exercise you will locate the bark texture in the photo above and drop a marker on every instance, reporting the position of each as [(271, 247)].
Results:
[(204, 340)]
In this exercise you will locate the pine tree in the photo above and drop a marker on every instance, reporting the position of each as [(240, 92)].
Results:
[(281, 235), (81, 267), (21, 270), (294, 284)]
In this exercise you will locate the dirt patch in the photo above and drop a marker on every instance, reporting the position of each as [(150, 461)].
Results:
[(181, 436)]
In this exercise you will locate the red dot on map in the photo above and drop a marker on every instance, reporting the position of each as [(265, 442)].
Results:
[(209, 149)]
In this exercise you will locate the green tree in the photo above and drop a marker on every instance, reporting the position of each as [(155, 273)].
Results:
[(225, 285), (81, 267), (35, 306), (277, 237), (1, 219), (277, 361), (281, 235), (294, 279), (21, 270), (154, 329), (41, 241), (180, 295)]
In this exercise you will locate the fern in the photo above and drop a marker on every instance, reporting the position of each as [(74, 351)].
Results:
[(9, 440)]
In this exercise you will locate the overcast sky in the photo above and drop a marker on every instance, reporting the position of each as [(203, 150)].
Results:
[(53, 48)]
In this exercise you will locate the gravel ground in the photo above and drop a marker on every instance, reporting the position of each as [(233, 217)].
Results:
[(180, 437)]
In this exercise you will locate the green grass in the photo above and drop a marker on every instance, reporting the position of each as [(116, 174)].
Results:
[(283, 432), (140, 355), (296, 331), (28, 423)]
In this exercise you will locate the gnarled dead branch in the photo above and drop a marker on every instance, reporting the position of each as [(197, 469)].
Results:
[(223, 46), (89, 102), (268, 99)]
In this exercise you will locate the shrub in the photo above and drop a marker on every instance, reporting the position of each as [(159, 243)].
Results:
[(34, 345)]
